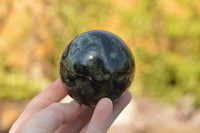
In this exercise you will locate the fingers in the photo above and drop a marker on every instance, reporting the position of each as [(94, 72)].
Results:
[(104, 115), (76, 125), (54, 93), (85, 116), (50, 118), (101, 117)]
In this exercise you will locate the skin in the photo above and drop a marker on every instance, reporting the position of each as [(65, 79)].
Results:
[(44, 114)]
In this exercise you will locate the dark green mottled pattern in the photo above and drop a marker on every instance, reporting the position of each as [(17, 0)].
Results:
[(96, 64)]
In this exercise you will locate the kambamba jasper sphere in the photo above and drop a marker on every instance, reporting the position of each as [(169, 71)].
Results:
[(96, 64)]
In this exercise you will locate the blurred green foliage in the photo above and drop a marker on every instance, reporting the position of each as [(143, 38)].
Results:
[(163, 35), (15, 85)]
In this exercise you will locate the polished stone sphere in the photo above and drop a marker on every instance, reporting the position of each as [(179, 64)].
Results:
[(96, 64)]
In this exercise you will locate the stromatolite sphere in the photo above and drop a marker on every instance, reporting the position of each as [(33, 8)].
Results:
[(96, 64)]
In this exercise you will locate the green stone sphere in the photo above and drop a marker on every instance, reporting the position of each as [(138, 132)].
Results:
[(96, 64)]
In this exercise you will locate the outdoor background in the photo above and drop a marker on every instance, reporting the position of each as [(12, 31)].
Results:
[(164, 36)]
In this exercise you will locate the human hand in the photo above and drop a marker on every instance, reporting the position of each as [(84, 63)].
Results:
[(44, 114)]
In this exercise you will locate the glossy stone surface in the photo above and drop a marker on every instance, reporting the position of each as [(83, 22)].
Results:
[(96, 64)]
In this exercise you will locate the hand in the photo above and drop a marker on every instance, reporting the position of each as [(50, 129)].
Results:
[(44, 114)]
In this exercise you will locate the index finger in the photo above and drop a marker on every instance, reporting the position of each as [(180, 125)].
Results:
[(54, 93)]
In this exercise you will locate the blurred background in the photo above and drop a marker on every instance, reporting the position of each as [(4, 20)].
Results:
[(164, 36)]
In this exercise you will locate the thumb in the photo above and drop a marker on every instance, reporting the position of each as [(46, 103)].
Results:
[(101, 116), (50, 118)]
